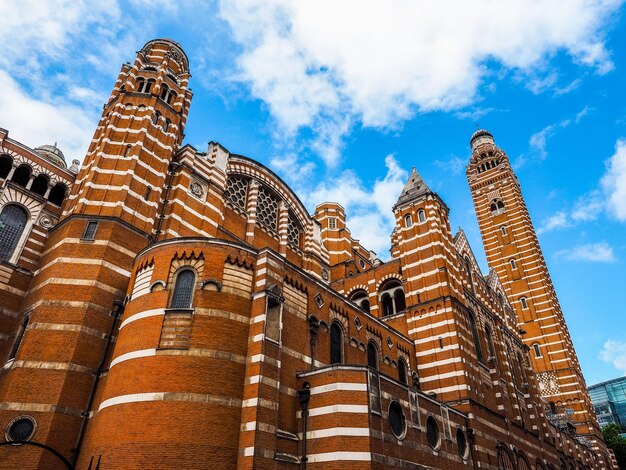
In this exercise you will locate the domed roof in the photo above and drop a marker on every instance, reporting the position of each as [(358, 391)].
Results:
[(53, 154), (480, 133)]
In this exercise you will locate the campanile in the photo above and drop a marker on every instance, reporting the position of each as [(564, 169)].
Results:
[(512, 249)]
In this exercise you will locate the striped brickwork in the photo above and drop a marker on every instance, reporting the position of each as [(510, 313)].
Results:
[(120, 365), (514, 253)]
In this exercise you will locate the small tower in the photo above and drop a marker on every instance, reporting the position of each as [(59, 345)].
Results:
[(513, 251)]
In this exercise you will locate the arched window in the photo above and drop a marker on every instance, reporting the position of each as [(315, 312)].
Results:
[(171, 96), (522, 368), (22, 175), (183, 289), (537, 349), (167, 125), (475, 337), (40, 185), (149, 85), (505, 462), (496, 206), (164, 91), (387, 304), (359, 297), (5, 166), (402, 371), (57, 194), (155, 118), (399, 300), (12, 222), (336, 337), (139, 86), (523, 302), (392, 300), (372, 355), (513, 264), (408, 220), (421, 215)]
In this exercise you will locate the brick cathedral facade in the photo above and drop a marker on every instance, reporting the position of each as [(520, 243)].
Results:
[(164, 308)]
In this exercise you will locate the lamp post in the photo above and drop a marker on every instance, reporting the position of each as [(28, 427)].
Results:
[(304, 395)]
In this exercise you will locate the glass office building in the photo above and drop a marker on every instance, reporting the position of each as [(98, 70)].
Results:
[(609, 402)]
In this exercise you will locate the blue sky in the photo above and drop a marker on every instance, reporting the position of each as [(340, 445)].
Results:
[(343, 98)]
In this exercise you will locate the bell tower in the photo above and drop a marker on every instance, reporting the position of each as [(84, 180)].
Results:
[(141, 127), (513, 250), (70, 311)]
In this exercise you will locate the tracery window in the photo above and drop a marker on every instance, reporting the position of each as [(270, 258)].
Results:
[(496, 207), (293, 231), (267, 209), (237, 191), (336, 340), (12, 223), (183, 289)]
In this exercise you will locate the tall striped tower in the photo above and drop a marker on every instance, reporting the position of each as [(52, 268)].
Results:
[(513, 250), (79, 288)]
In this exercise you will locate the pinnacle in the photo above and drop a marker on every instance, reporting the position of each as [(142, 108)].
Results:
[(413, 188)]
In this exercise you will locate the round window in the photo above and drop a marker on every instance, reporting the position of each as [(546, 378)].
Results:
[(432, 433), (362, 263), (461, 442), (397, 423), (21, 428)]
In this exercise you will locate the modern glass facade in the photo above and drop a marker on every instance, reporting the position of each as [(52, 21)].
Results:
[(609, 402)]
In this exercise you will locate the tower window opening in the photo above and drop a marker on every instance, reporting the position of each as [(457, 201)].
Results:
[(155, 118), (57, 194), (141, 83), (148, 86), (392, 298), (537, 350), (503, 229), (148, 191), (332, 223), (523, 302), (170, 96), (336, 340), (496, 207), (475, 337), (40, 185), (164, 91), (408, 220), (421, 216), (12, 223), (402, 371), (183, 289), (22, 175), (127, 150), (167, 124), (513, 264), (19, 337), (490, 346)]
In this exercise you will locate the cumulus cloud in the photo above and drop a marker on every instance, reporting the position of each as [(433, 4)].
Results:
[(614, 181), (36, 122), (600, 252), (320, 65), (558, 220), (368, 209), (614, 352)]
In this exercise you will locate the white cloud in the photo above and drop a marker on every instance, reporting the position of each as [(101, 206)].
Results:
[(378, 63), (538, 140), (614, 181), (558, 220), (600, 252), (36, 122), (614, 352), (368, 209), (454, 165)]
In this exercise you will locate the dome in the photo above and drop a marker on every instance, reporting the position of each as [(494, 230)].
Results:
[(481, 136), (53, 154)]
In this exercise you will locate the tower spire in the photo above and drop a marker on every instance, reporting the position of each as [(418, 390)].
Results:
[(414, 188)]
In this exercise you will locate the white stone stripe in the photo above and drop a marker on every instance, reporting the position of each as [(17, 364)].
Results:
[(339, 386), (139, 316), (133, 355), (330, 409), (340, 456), (336, 432)]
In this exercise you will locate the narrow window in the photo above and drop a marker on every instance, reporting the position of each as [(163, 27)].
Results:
[(408, 220), (475, 337), (12, 223), (402, 371), (183, 289), (513, 264), (155, 118), (523, 302), (167, 125), (148, 86), (170, 96), (90, 231), (421, 215), (372, 355), (147, 195), (490, 346), (537, 350), (140, 84), (6, 163), (503, 229), (399, 300), (164, 91), (272, 318), (387, 305), (332, 223), (335, 343), (19, 337), (127, 151)]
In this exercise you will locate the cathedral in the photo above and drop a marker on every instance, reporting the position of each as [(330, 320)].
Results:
[(163, 307)]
